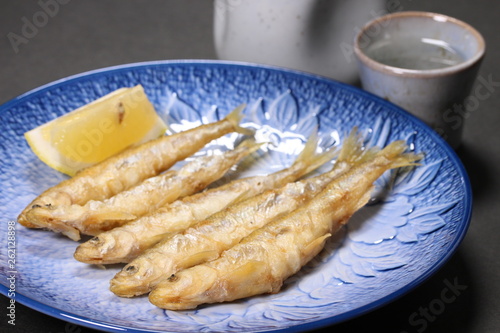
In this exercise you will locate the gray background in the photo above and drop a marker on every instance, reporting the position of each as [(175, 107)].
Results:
[(91, 34)]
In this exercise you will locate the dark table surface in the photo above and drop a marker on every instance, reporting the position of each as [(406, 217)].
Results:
[(86, 35)]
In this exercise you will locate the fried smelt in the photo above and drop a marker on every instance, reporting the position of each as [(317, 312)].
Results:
[(129, 168), (97, 216), (125, 243), (262, 261), (207, 239)]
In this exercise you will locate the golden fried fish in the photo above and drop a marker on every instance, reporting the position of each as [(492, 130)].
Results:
[(263, 260), (125, 243), (219, 232), (97, 216), (129, 168)]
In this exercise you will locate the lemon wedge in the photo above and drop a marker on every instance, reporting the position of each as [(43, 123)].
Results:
[(96, 131)]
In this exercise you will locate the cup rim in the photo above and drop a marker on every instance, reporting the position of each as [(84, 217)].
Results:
[(420, 72)]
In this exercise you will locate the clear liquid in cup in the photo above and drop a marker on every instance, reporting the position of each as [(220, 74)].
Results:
[(414, 53)]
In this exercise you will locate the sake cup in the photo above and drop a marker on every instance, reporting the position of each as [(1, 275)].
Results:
[(424, 62)]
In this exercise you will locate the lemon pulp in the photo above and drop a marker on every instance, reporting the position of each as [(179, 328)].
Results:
[(96, 131)]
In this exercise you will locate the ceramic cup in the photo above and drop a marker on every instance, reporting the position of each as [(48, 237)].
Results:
[(424, 62), (308, 35)]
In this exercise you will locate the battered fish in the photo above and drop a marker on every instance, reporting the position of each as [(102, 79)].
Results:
[(263, 260), (207, 239), (125, 243), (97, 216), (130, 167)]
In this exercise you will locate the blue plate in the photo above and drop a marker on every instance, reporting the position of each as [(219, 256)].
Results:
[(387, 249)]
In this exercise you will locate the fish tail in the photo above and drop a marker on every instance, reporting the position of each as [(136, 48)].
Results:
[(235, 118), (395, 153), (313, 159), (353, 150), (250, 145)]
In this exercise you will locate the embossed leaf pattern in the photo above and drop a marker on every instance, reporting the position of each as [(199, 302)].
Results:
[(285, 142), (424, 220), (266, 117), (420, 178), (256, 114), (385, 218), (180, 116), (378, 135), (282, 112)]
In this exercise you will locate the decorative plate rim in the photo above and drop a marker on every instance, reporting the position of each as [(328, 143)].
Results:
[(350, 314)]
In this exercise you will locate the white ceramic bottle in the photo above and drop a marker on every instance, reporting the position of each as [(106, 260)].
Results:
[(309, 35)]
